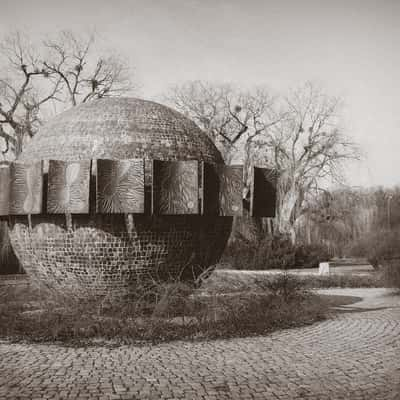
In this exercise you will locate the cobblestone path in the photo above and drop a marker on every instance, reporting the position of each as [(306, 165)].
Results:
[(354, 356)]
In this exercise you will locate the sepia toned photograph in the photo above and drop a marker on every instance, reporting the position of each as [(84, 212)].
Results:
[(199, 200)]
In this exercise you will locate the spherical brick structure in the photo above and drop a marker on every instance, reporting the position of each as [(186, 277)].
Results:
[(98, 251)]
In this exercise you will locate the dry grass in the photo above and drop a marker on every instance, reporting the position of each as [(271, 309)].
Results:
[(156, 313)]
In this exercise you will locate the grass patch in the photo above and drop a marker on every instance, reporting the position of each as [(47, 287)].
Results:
[(372, 280), (158, 313), (222, 280)]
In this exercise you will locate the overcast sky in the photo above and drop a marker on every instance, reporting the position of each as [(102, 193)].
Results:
[(350, 47)]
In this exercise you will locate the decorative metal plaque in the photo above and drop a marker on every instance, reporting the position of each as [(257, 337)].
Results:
[(120, 186), (68, 187), (222, 190), (175, 187), (26, 186)]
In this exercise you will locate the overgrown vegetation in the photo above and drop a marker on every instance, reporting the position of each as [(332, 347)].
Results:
[(350, 220), (156, 313), (382, 249), (391, 272), (274, 252)]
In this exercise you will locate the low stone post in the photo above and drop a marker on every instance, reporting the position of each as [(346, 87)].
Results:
[(323, 268)]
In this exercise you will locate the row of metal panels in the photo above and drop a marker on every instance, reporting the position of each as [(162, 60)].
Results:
[(177, 187)]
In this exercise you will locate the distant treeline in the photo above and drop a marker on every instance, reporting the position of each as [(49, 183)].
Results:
[(342, 218)]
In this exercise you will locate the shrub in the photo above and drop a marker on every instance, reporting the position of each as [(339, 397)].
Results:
[(391, 272), (310, 255), (273, 253), (268, 253), (375, 246), (286, 285), (382, 250)]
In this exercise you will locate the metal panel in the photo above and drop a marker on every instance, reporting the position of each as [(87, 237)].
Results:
[(68, 187), (120, 186), (26, 188), (222, 190), (210, 189), (263, 192), (175, 187), (4, 189)]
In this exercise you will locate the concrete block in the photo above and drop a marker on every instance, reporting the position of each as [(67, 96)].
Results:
[(323, 268)]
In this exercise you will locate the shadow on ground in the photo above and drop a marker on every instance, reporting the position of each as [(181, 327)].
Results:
[(340, 304)]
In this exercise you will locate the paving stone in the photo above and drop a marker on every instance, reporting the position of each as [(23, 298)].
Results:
[(353, 356)]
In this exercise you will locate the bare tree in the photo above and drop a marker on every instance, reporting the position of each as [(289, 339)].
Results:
[(232, 118), (52, 75), (238, 121), (84, 75), (19, 98), (308, 148)]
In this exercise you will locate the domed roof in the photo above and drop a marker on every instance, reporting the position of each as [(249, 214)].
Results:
[(120, 128)]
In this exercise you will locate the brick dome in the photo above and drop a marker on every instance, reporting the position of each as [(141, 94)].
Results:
[(98, 252), (119, 128)]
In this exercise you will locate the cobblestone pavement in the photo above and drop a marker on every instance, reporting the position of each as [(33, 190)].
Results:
[(354, 356)]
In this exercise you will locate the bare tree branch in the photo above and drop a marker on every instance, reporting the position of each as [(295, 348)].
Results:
[(64, 70)]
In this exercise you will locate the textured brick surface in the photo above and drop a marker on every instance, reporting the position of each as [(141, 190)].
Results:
[(354, 356), (104, 250), (120, 128)]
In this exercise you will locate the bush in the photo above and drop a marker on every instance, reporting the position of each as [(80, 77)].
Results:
[(391, 272), (273, 253), (269, 253), (309, 256), (375, 246), (382, 250)]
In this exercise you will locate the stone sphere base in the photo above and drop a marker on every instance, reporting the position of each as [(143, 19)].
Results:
[(105, 253)]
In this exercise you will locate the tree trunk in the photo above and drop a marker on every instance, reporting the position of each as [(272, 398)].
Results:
[(286, 217)]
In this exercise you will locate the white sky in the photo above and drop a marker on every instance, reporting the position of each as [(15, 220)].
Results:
[(350, 47)]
